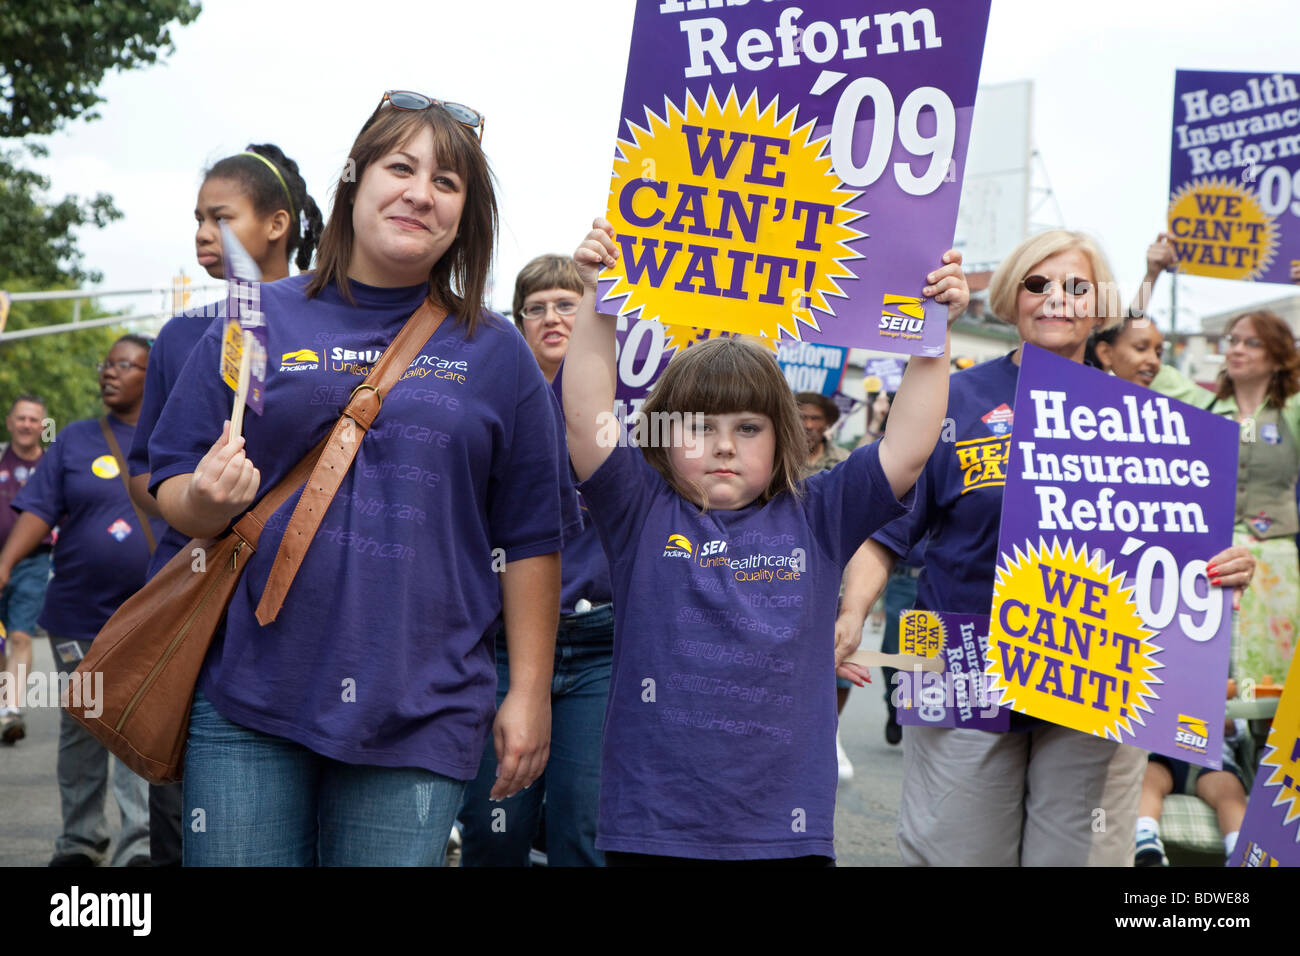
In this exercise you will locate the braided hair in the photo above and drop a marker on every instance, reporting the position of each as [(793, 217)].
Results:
[(268, 194)]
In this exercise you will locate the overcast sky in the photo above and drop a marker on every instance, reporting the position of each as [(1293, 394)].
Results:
[(548, 75)]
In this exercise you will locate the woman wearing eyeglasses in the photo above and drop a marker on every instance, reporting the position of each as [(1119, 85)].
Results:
[(547, 292), (99, 560), (343, 730), (1259, 387), (1029, 796)]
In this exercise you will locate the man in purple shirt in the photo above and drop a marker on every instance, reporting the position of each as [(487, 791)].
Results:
[(20, 601)]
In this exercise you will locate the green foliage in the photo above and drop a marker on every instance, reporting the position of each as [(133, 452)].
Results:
[(53, 56), (37, 240), (60, 368), (54, 53)]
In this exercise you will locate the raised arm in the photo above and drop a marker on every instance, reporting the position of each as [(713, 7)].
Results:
[(590, 369), (1160, 257), (916, 416)]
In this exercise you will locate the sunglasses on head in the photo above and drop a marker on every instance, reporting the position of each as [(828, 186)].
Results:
[(417, 102), (1072, 286)]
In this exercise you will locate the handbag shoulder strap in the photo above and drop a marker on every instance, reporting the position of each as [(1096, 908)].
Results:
[(335, 459), (116, 449)]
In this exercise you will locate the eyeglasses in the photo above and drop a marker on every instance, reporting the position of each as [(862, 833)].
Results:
[(1072, 286), (121, 365), (1251, 343), (538, 310), (416, 102)]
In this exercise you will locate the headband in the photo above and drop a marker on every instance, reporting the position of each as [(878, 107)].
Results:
[(278, 175)]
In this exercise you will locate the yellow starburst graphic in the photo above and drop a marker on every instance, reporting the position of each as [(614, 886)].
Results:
[(1220, 230), (729, 217), (1066, 642), (1282, 752)]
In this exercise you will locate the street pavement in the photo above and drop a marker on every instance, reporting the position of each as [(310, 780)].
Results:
[(866, 806)]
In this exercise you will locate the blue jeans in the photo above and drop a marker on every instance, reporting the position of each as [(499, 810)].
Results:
[(83, 782), (253, 799), (500, 834)]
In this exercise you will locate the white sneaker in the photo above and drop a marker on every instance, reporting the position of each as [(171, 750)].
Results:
[(846, 768)]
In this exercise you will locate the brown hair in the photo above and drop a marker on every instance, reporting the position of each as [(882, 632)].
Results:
[(458, 280), (724, 376), (1279, 343), (544, 272)]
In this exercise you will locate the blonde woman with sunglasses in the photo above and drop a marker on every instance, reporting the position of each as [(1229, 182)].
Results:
[(342, 730), (1026, 797)]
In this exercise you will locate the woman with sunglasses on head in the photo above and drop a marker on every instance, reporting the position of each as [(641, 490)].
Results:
[(99, 561), (262, 198), (336, 723), (1025, 797)]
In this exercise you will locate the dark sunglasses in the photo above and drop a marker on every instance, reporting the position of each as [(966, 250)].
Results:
[(416, 102), (1072, 286)]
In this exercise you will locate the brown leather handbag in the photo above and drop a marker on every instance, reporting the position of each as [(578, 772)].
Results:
[(152, 648)]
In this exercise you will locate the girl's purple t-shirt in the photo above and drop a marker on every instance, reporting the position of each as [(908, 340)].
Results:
[(101, 556), (379, 654), (720, 727)]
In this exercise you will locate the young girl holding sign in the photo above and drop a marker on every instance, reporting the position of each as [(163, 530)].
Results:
[(720, 729)]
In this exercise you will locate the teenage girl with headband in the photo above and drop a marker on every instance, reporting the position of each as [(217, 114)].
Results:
[(260, 195)]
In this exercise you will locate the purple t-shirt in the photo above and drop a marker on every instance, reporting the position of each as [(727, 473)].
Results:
[(14, 472), (584, 570), (379, 654), (102, 555), (959, 494), (170, 351), (720, 727)]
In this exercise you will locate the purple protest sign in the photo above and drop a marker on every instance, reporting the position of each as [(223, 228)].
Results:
[(793, 172), (1103, 618), (1270, 834), (243, 301), (882, 374), (812, 368), (957, 696), (643, 350), (1234, 174)]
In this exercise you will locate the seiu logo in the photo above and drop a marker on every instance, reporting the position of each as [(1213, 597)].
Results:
[(712, 547), (351, 355), (1192, 733), (909, 314)]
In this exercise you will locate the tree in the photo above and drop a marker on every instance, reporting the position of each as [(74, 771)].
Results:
[(60, 368), (37, 242), (54, 53)]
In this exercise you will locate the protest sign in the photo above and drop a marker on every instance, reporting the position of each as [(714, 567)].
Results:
[(793, 172), (957, 696), (1234, 174), (243, 315), (1103, 618), (812, 368), (1270, 834), (882, 374)]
